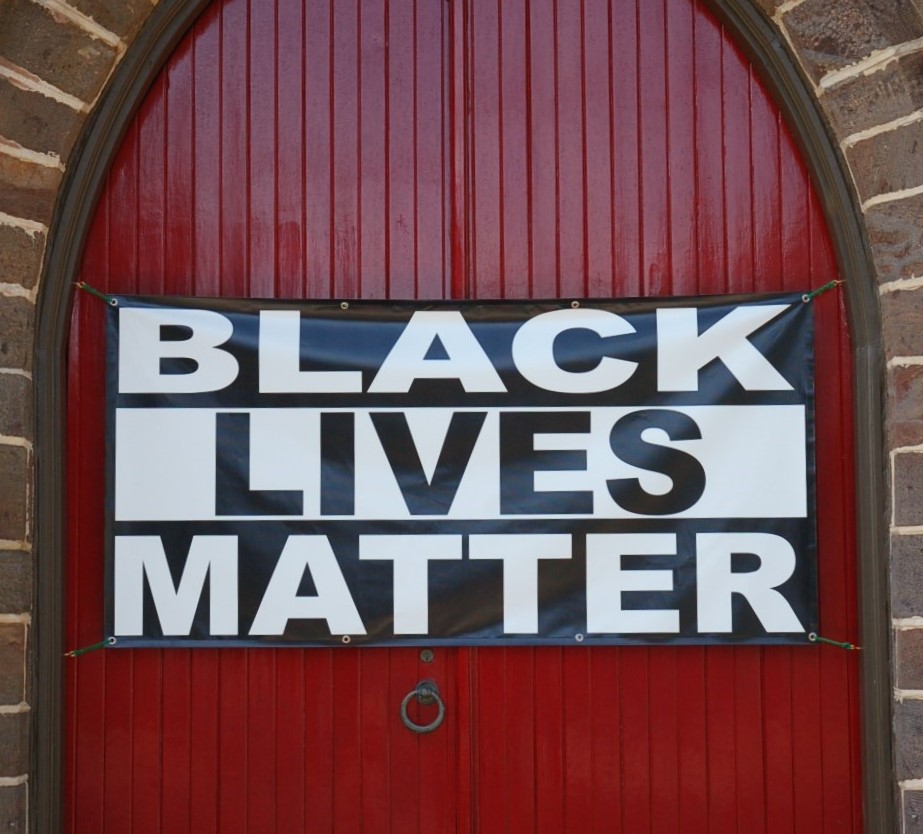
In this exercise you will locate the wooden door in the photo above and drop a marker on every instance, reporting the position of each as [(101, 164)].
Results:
[(465, 149)]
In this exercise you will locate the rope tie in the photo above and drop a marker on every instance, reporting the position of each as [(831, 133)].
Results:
[(110, 300), (830, 285), (850, 647), (105, 644)]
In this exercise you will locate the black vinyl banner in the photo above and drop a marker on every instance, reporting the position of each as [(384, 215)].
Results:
[(541, 472)]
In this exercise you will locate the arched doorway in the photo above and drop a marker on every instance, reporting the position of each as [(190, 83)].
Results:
[(479, 245)]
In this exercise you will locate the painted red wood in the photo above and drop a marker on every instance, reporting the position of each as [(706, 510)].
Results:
[(475, 149)]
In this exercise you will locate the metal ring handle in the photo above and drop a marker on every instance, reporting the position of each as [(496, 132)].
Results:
[(426, 692)]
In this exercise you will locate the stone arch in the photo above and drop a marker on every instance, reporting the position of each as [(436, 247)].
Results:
[(70, 75)]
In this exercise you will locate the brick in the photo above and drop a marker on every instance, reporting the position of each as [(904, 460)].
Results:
[(896, 235), (909, 657), (54, 49), (15, 406), (867, 101), (12, 663), (15, 582), (14, 744), (13, 802), (913, 812), (123, 18), (28, 190), (827, 38), (17, 316), (900, 320), (907, 576), (769, 6), (14, 492), (905, 406), (37, 122), (20, 256), (908, 489), (908, 739), (890, 161)]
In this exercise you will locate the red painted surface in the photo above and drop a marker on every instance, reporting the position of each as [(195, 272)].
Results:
[(480, 150)]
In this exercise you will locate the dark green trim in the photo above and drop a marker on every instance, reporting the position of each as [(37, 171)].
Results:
[(87, 169), (771, 57)]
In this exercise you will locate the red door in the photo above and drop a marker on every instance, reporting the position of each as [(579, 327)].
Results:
[(469, 149)]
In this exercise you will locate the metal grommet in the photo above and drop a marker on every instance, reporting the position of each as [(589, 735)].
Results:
[(812, 637), (344, 305), (113, 302), (346, 639), (578, 638), (575, 304), (805, 298), (111, 641)]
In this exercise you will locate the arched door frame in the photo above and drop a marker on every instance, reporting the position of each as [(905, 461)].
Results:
[(86, 174)]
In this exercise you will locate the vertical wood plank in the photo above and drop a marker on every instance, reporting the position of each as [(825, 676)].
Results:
[(492, 780), (550, 708), (263, 737), (344, 139), (578, 744), (318, 153), (692, 740), (400, 131), (633, 696), (485, 159), (234, 152), (291, 96), (626, 148), (597, 91), (683, 229), (378, 722), (263, 147), (232, 707), (345, 764), (178, 161), (205, 743), (654, 110), (85, 682), (119, 707), (606, 729), (709, 163), (373, 56), (519, 686), (666, 710), (208, 207), (541, 196), (431, 150), (570, 127), (319, 739)]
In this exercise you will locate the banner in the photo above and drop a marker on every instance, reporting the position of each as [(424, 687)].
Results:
[(540, 472)]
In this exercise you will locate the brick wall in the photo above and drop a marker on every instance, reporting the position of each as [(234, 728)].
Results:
[(55, 58), (863, 59)]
